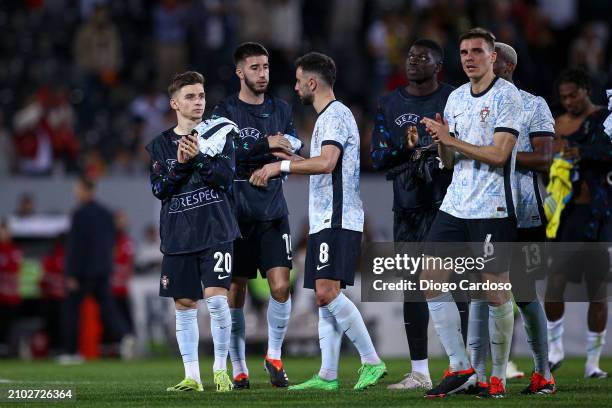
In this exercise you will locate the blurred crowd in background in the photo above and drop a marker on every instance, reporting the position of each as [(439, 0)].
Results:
[(82, 83)]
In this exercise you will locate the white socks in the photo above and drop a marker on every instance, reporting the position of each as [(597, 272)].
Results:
[(220, 327), (351, 323), (501, 326), (421, 366), (187, 337), (278, 319), (478, 337), (237, 343), (594, 344), (330, 339), (445, 316), (555, 341)]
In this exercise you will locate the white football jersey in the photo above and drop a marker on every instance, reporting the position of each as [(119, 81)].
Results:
[(537, 122), (477, 189), (334, 200)]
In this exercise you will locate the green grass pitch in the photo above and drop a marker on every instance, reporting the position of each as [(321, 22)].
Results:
[(142, 383)]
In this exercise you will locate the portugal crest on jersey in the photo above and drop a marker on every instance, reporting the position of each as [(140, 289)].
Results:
[(165, 281), (484, 114)]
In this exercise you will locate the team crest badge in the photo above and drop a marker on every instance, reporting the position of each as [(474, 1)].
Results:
[(165, 281), (484, 114)]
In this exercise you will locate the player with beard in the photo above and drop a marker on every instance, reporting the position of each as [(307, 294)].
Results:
[(402, 146), (335, 215), (586, 218), (266, 131)]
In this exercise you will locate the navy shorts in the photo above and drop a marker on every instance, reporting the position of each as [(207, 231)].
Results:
[(264, 245), (529, 263), (479, 236), (574, 219), (184, 275), (333, 254)]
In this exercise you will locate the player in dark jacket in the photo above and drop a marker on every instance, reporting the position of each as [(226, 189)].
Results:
[(266, 133), (401, 145), (192, 168)]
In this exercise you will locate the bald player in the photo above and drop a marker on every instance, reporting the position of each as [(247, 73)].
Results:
[(534, 155)]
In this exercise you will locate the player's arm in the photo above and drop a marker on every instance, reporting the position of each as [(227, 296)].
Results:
[(509, 115), (541, 156), (165, 182), (385, 154), (447, 154), (541, 136), (291, 134), (323, 164), (495, 155), (218, 171)]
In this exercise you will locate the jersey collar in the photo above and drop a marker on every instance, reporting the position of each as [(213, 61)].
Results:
[(478, 95)]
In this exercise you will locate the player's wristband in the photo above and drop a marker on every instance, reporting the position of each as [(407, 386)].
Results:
[(285, 166)]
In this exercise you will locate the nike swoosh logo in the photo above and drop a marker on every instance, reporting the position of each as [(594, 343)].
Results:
[(457, 115), (223, 277), (488, 260), (529, 270), (319, 267)]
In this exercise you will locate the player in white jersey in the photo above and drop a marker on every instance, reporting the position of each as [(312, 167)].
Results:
[(336, 222), (535, 145), (477, 138)]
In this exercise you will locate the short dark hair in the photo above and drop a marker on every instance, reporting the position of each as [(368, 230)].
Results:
[(574, 76), (184, 79), (320, 64), (249, 49), (478, 32), (88, 183), (431, 45)]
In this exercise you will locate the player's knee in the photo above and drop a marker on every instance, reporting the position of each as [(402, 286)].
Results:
[(325, 296), (280, 291), (184, 304), (497, 298), (237, 295)]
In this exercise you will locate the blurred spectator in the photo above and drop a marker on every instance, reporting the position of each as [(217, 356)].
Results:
[(254, 21), (60, 117), (588, 49), (10, 265), (52, 290), (25, 205), (44, 129), (97, 53), (131, 157), (148, 256), (89, 264), (150, 107), (94, 165), (7, 159), (123, 266), (33, 138), (97, 47), (110, 70), (170, 22), (123, 269)]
